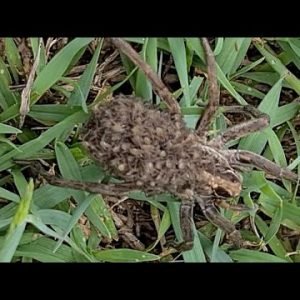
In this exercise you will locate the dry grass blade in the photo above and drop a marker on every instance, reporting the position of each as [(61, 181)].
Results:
[(25, 96), (158, 86)]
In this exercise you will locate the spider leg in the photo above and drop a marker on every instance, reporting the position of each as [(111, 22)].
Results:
[(215, 218), (213, 91), (109, 189), (234, 207), (186, 224), (158, 86), (260, 121), (246, 157)]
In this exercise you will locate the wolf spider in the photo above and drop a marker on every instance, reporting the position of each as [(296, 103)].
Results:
[(191, 166)]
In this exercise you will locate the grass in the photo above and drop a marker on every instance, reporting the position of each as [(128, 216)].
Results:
[(39, 222)]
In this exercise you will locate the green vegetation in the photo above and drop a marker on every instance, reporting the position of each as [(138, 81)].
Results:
[(40, 222)]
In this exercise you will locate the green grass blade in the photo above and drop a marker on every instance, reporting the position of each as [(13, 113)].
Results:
[(55, 69), (143, 86), (277, 153), (178, 51), (247, 90), (44, 139), (13, 58), (219, 255), (4, 73), (20, 182), (50, 114), (7, 129), (7, 97), (193, 89), (275, 244), (17, 226), (247, 68), (37, 222), (163, 227), (70, 170), (197, 253), (4, 223), (49, 196), (246, 255), (35, 45), (66, 162), (277, 217), (77, 213), (280, 68), (257, 141), (102, 218), (290, 53), (232, 54), (9, 113), (54, 217), (124, 255), (194, 43), (5, 194), (41, 250), (285, 113), (81, 91)]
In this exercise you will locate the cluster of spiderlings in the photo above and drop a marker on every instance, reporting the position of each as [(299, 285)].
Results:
[(150, 148)]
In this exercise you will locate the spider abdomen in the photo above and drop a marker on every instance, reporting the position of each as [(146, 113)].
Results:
[(153, 149)]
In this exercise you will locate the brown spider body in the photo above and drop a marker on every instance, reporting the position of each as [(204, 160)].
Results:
[(155, 151)]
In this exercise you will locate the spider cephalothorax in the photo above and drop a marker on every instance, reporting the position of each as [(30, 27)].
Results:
[(152, 149)]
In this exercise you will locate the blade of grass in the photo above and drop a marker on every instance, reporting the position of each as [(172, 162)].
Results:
[(7, 129), (232, 54), (163, 227), (246, 255), (247, 90), (124, 255), (13, 58), (280, 68), (275, 244), (55, 69), (70, 170), (143, 86), (106, 226), (40, 250), (36, 221), (50, 114), (219, 255), (247, 68), (278, 153), (35, 45), (194, 43), (4, 73), (5, 194), (44, 139), (178, 51), (77, 213), (194, 255), (81, 91), (17, 226), (20, 182), (257, 141)]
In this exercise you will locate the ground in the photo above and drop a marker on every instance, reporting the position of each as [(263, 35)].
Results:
[(45, 97)]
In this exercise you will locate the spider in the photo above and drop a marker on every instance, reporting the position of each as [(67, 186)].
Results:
[(151, 149)]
